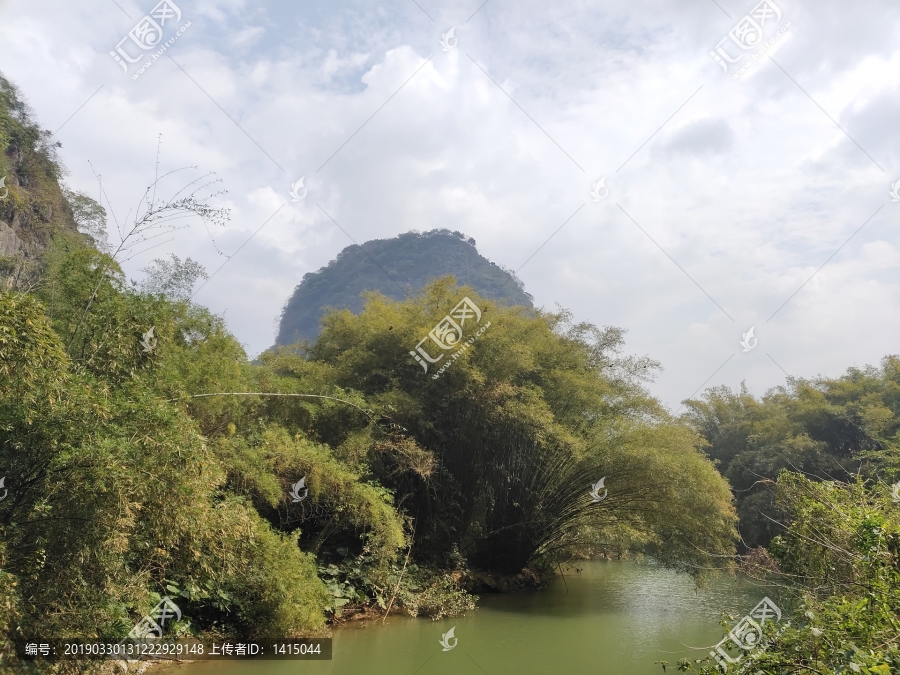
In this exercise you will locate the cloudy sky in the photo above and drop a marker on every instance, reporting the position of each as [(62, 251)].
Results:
[(762, 201)]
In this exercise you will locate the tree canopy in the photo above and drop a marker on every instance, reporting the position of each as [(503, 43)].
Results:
[(826, 428), (497, 456)]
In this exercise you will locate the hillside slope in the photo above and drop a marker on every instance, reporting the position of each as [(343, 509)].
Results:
[(33, 205), (410, 260)]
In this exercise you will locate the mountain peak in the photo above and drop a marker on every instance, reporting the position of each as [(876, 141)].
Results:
[(396, 268)]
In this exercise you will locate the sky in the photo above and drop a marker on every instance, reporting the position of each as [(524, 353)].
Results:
[(686, 171)]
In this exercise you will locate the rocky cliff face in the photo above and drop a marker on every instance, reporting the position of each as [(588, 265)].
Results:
[(33, 203), (10, 244)]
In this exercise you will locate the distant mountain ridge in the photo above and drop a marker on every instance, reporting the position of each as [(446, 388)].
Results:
[(411, 260)]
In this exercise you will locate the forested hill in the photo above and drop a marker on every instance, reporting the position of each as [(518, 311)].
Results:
[(392, 266)]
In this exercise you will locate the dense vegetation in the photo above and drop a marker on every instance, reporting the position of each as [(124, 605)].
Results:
[(395, 268), (124, 486), (496, 456), (816, 469), (826, 428), (837, 564)]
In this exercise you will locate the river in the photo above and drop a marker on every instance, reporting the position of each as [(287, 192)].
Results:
[(615, 618)]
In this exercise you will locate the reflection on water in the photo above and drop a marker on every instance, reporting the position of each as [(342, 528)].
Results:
[(616, 618)]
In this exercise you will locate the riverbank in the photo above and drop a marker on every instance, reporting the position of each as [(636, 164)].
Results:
[(615, 617), (472, 582)]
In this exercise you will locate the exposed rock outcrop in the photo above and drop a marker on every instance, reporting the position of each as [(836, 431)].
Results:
[(33, 202)]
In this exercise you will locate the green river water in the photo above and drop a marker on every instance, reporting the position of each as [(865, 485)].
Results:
[(616, 618)]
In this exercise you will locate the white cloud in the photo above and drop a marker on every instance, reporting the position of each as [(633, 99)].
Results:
[(749, 188)]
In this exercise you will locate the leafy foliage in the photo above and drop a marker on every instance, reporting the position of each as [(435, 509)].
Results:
[(173, 278), (518, 429), (263, 464), (115, 495), (829, 428), (840, 557), (359, 581), (126, 486), (90, 218)]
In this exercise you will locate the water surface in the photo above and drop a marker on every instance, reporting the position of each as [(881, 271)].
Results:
[(616, 618)]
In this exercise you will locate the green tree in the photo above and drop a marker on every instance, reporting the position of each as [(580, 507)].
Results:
[(497, 456), (838, 559), (828, 428), (115, 498)]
